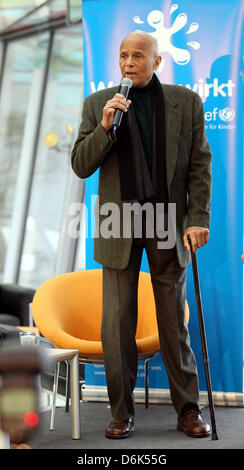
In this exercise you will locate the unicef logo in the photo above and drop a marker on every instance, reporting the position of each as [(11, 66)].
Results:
[(227, 114)]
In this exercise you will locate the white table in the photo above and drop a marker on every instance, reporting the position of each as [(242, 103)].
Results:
[(59, 355)]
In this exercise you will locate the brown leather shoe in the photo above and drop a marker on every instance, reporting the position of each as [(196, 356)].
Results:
[(191, 423), (120, 429)]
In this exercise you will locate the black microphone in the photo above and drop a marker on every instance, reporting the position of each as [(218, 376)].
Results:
[(125, 85)]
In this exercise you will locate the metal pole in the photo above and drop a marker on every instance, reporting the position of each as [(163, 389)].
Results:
[(75, 396), (203, 340), (55, 391), (4, 51)]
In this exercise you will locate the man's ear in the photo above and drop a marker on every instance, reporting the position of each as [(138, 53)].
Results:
[(157, 62)]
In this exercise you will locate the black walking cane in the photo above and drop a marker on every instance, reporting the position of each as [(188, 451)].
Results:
[(203, 340)]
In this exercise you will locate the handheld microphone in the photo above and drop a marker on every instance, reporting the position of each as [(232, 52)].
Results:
[(125, 85)]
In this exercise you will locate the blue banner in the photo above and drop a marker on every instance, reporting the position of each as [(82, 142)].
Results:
[(201, 44)]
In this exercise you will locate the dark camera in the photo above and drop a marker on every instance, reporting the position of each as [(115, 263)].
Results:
[(19, 392)]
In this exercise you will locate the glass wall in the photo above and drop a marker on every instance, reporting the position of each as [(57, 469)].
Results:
[(19, 67), (40, 105), (61, 114)]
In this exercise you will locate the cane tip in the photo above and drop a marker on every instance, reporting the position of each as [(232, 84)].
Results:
[(214, 437)]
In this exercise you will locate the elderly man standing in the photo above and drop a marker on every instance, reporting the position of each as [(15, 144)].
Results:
[(160, 154)]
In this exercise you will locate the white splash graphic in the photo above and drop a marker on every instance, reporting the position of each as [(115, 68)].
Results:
[(163, 35), (138, 20), (193, 27), (173, 8), (194, 44)]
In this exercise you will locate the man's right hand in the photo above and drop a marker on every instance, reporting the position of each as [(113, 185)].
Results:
[(117, 102)]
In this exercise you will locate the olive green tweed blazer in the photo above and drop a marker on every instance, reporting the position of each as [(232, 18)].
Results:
[(188, 167)]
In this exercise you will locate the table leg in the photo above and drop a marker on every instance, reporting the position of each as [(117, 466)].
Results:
[(75, 396)]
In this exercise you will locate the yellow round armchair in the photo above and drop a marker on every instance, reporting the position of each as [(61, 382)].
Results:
[(67, 310)]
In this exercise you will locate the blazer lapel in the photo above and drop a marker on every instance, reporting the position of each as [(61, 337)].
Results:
[(173, 125)]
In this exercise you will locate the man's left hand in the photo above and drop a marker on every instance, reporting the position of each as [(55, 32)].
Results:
[(199, 237)]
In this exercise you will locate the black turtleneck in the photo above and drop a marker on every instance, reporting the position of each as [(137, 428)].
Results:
[(142, 102)]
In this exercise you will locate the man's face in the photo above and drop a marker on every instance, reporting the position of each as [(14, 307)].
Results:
[(138, 60)]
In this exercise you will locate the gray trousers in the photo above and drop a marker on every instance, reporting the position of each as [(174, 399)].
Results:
[(120, 321)]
